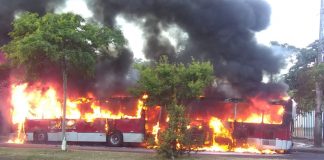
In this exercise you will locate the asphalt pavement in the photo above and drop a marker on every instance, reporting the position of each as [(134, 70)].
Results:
[(296, 155), (306, 145), (303, 150)]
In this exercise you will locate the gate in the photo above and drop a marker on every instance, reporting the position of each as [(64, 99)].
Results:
[(304, 125)]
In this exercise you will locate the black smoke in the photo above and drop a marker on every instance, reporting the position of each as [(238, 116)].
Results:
[(113, 75), (10, 8), (111, 72), (221, 31)]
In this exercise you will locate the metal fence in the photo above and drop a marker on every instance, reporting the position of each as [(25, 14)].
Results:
[(304, 125)]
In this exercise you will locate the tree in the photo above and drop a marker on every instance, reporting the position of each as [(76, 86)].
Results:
[(171, 86), (63, 40), (306, 81), (301, 77)]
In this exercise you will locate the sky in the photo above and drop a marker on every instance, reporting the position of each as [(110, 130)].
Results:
[(295, 22)]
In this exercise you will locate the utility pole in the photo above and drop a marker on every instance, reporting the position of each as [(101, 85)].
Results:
[(319, 92), (64, 142)]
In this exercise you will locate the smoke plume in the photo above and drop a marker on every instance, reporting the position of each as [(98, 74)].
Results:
[(221, 31), (9, 8), (111, 72)]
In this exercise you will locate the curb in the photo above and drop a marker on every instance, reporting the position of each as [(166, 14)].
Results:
[(309, 150)]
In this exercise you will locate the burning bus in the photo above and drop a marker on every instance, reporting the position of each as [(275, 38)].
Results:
[(114, 132), (102, 125), (257, 125), (254, 125), (37, 116)]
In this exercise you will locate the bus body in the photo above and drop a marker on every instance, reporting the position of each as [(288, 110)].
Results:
[(270, 136), (276, 136), (113, 131)]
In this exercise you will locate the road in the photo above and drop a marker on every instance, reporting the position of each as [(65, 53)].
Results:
[(292, 156), (225, 155)]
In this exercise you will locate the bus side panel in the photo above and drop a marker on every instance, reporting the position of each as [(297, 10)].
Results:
[(133, 130)]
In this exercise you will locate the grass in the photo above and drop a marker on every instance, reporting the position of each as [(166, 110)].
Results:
[(55, 154)]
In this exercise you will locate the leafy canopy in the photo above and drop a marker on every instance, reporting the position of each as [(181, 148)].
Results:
[(170, 86), (167, 83), (303, 75), (41, 42)]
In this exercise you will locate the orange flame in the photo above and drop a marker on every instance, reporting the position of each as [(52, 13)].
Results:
[(261, 111), (285, 98), (38, 103), (258, 111), (145, 96), (155, 132), (221, 131), (35, 103)]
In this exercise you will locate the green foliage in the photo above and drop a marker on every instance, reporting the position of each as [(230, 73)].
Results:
[(171, 85), (172, 141), (303, 75), (165, 82), (318, 72), (41, 42)]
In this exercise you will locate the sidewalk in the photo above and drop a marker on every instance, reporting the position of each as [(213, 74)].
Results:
[(306, 145)]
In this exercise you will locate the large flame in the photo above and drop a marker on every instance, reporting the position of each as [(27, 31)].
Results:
[(257, 111), (260, 111), (155, 132), (43, 103), (220, 131), (39, 103)]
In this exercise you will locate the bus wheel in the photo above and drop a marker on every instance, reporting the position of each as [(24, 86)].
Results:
[(40, 137), (283, 151), (287, 151), (115, 139)]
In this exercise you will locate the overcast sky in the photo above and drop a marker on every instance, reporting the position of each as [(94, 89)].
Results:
[(292, 21)]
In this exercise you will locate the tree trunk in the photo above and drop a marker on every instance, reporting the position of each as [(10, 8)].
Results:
[(64, 146), (318, 117)]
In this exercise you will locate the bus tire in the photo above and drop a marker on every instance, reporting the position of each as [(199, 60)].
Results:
[(40, 137), (288, 151), (115, 139), (283, 151)]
